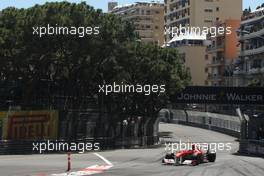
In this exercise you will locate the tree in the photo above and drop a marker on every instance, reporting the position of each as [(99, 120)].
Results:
[(65, 60), (148, 64), (48, 65)]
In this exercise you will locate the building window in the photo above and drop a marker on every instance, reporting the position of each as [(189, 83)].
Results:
[(217, 9), (208, 21), (148, 12), (208, 10)]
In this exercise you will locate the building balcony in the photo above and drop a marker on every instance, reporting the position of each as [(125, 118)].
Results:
[(252, 51), (251, 19), (133, 16), (254, 71), (215, 77), (145, 22), (141, 31), (217, 62), (252, 35), (216, 48), (239, 72)]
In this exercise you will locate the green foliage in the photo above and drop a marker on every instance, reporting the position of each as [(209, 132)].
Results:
[(78, 65), (254, 83)]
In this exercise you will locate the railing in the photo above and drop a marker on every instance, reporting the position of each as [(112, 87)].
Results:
[(254, 71), (215, 77), (216, 62), (251, 71), (216, 47), (252, 35), (222, 123), (255, 147), (226, 124), (252, 51), (238, 72)]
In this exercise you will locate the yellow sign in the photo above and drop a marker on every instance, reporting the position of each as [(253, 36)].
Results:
[(29, 124)]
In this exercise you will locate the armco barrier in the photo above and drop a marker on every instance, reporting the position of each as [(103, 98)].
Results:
[(255, 147), (218, 122)]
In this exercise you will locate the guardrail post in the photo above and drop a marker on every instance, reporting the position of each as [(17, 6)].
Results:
[(69, 162)]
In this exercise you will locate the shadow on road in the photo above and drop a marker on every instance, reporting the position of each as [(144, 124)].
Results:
[(248, 155), (165, 134)]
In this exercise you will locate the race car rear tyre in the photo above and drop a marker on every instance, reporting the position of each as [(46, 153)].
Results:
[(199, 159), (211, 157), (194, 163)]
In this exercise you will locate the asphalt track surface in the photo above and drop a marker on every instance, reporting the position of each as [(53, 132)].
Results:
[(139, 162)]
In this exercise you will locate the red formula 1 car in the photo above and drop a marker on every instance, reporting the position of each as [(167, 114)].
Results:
[(189, 157)]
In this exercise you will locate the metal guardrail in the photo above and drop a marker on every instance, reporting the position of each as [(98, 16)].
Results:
[(215, 120), (222, 123), (226, 124), (249, 146)]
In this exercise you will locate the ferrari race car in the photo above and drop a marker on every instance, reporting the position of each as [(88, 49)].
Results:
[(189, 157)]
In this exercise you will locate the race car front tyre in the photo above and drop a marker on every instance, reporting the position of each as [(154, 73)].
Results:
[(211, 157), (178, 161)]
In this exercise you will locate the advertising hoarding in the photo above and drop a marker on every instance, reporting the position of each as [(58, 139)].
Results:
[(18, 125)]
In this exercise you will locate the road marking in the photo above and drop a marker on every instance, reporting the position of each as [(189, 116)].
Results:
[(94, 169), (104, 159)]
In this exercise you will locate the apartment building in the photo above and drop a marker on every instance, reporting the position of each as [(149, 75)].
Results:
[(221, 53), (148, 19), (192, 46), (198, 13), (249, 67)]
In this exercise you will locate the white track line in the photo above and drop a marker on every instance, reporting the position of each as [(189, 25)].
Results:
[(104, 159)]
